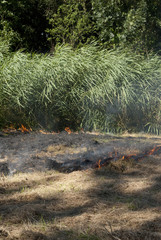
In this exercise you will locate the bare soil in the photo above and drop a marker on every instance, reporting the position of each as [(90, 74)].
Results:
[(49, 188)]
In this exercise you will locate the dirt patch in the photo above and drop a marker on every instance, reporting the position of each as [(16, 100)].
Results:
[(119, 201)]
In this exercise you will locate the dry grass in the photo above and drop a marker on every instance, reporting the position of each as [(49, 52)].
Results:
[(96, 204), (121, 201)]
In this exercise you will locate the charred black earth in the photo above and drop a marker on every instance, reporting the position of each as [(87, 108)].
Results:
[(41, 151)]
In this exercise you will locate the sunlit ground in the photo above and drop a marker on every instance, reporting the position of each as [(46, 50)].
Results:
[(120, 201)]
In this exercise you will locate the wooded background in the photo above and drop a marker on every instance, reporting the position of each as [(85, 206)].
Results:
[(38, 25)]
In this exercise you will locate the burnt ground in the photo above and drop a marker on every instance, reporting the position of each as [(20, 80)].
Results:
[(41, 151), (51, 186)]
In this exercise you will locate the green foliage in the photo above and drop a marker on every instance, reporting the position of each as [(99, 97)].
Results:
[(8, 35), (26, 22), (136, 23), (89, 87), (38, 25), (109, 17), (72, 23)]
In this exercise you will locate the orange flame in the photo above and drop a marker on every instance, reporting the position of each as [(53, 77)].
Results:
[(23, 129), (128, 157), (99, 164), (9, 129), (67, 129), (152, 151), (12, 129)]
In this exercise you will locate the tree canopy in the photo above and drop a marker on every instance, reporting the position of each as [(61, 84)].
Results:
[(38, 25)]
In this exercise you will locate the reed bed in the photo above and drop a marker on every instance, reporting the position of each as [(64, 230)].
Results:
[(93, 88)]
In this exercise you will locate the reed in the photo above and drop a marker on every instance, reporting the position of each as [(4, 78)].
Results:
[(93, 88)]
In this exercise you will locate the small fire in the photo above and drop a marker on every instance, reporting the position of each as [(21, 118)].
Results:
[(114, 156), (152, 151), (67, 129), (127, 157), (23, 129), (99, 164), (10, 129)]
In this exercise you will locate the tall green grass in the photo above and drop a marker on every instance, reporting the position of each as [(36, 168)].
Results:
[(113, 91)]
